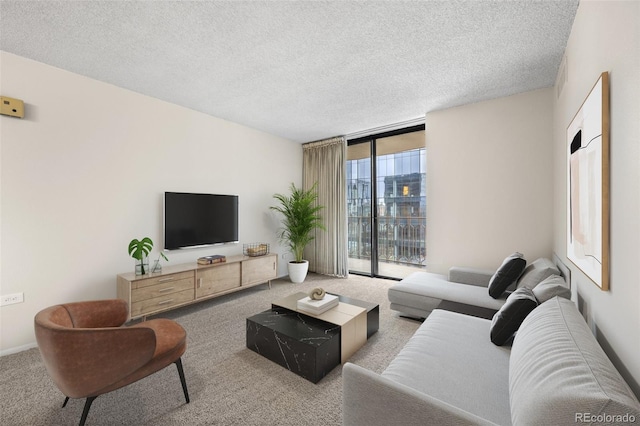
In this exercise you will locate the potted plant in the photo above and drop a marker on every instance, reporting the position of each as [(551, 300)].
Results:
[(139, 250), (301, 217), (157, 266)]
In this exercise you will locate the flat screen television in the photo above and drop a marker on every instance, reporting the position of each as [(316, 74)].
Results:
[(195, 220)]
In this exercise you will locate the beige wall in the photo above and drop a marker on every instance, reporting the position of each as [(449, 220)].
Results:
[(489, 181), (85, 171), (606, 37)]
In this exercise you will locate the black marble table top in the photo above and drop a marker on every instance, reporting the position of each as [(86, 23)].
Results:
[(311, 331)]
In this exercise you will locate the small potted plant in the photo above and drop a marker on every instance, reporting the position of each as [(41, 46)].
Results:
[(139, 250), (301, 217), (157, 266)]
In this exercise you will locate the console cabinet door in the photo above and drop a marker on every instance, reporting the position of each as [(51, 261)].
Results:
[(259, 270), (217, 279)]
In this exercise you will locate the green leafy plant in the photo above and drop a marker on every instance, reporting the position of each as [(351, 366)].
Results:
[(140, 248), (301, 217), (161, 254)]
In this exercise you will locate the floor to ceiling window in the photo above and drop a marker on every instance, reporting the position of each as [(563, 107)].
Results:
[(386, 202)]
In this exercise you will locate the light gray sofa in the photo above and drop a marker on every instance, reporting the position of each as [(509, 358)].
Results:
[(421, 292), (449, 373)]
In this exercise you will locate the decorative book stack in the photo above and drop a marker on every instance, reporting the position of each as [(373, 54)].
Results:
[(208, 260), (317, 307)]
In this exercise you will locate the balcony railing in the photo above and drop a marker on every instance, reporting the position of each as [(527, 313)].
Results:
[(401, 240)]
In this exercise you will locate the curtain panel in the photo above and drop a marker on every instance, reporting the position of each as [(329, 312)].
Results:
[(325, 162)]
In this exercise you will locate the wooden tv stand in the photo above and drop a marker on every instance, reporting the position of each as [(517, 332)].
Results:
[(180, 285)]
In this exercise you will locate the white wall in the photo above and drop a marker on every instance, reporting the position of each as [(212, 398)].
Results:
[(85, 171), (606, 37), (489, 181)]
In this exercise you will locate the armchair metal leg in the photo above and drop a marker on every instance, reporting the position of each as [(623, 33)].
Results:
[(64, 404), (182, 380), (87, 406)]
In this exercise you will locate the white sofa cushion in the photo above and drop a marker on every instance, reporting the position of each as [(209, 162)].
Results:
[(536, 272), (451, 358), (557, 371), (551, 287)]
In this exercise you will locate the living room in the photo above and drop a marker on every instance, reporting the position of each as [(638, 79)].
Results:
[(85, 170)]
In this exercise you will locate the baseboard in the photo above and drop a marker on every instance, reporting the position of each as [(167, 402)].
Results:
[(17, 349)]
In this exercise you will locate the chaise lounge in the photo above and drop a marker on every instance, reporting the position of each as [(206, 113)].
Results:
[(464, 289)]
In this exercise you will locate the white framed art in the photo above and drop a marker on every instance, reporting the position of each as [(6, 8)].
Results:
[(588, 185)]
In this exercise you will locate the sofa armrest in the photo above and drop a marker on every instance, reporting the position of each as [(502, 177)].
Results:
[(471, 276), (367, 398)]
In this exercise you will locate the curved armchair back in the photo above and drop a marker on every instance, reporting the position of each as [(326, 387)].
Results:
[(85, 349)]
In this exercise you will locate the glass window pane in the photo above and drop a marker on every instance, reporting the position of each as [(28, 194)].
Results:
[(400, 207)]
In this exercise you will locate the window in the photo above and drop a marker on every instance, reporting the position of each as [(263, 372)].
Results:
[(387, 221)]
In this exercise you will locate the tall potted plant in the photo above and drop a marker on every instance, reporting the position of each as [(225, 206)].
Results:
[(301, 218)]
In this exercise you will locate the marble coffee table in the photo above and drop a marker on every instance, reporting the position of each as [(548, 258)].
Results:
[(311, 345)]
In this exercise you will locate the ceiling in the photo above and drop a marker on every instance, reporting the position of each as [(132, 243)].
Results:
[(302, 70)]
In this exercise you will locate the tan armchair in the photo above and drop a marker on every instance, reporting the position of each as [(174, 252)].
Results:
[(88, 352)]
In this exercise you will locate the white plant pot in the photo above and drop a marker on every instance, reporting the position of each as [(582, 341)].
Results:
[(298, 271)]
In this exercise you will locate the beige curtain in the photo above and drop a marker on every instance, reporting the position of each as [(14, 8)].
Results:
[(324, 162)]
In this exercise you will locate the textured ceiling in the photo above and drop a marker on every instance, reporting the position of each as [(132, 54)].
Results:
[(302, 70)]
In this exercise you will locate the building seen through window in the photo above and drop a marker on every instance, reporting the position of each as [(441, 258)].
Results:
[(400, 207)]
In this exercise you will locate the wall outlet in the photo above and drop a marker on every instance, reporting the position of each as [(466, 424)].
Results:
[(10, 299)]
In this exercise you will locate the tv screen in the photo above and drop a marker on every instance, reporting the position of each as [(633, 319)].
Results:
[(192, 220)]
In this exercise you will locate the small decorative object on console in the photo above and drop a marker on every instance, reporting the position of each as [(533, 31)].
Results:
[(256, 249), (317, 294), (157, 266), (317, 307), (209, 260)]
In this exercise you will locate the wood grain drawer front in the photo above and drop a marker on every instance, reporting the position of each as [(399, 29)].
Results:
[(217, 279), (161, 279), (259, 270), (161, 289), (161, 303)]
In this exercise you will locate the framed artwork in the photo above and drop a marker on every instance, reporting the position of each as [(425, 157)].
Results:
[(588, 185)]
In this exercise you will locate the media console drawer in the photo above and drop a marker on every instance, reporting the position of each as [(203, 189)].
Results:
[(161, 286), (156, 279), (161, 303)]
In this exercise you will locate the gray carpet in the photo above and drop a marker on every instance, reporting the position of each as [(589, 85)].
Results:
[(228, 383)]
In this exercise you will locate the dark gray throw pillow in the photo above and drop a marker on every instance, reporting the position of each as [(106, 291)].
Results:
[(507, 274), (507, 320)]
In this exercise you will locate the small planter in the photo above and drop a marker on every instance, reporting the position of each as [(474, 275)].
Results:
[(298, 271), (142, 266)]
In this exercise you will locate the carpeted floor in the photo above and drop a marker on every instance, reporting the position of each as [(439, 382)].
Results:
[(228, 383)]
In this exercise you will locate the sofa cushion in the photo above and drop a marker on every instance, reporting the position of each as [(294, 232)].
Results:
[(506, 274), (508, 319), (536, 272), (551, 287), (423, 291), (558, 372), (450, 358), (470, 276)]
